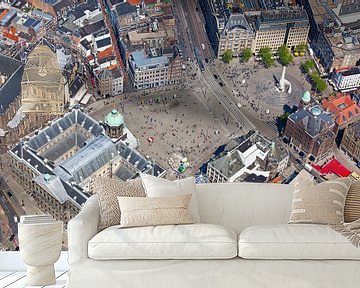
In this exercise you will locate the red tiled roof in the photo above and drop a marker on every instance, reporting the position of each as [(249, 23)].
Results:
[(342, 106), (134, 2), (106, 53), (334, 166), (90, 57)]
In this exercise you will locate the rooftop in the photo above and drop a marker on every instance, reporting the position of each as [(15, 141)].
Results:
[(114, 118), (140, 59), (342, 106), (237, 21), (94, 149), (13, 69), (314, 119), (42, 68), (240, 161)]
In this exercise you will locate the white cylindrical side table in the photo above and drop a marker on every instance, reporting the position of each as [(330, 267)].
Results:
[(40, 247)]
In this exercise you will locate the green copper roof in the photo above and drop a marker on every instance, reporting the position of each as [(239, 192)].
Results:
[(114, 118), (306, 97)]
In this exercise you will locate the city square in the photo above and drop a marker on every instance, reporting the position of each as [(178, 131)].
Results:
[(156, 143), (179, 123)]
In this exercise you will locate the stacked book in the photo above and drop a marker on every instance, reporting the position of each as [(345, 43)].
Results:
[(36, 219)]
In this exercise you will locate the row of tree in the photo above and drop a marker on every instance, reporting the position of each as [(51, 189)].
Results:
[(266, 55), (318, 83)]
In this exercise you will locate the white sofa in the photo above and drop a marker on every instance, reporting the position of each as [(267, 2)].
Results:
[(277, 254)]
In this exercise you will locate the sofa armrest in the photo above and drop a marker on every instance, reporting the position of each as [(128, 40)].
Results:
[(82, 228)]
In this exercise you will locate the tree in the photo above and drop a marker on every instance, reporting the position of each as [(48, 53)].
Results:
[(285, 56), (318, 83), (308, 65), (321, 85), (265, 54), (246, 55), (228, 55), (283, 117), (301, 48)]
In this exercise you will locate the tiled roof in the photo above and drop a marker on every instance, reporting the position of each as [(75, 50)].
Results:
[(107, 52), (314, 120), (342, 106), (12, 87)]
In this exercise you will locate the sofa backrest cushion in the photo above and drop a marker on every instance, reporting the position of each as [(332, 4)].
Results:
[(239, 205)]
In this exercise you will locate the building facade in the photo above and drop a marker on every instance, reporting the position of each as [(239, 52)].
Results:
[(347, 80), (274, 28), (311, 131), (111, 82), (350, 143), (236, 36), (154, 68)]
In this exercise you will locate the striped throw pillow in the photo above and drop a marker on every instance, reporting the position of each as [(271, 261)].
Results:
[(352, 203), (319, 203)]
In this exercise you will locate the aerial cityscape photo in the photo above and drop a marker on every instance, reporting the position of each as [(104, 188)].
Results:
[(219, 90)]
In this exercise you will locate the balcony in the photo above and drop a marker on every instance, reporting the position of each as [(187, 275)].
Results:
[(13, 271)]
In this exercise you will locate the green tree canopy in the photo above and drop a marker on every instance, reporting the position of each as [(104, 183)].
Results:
[(228, 55), (266, 56), (246, 54), (301, 47), (308, 65), (285, 56), (283, 117), (319, 83)]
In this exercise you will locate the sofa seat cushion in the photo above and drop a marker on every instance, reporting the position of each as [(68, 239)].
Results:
[(295, 241), (191, 241)]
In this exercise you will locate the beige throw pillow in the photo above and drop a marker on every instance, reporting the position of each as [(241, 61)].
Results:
[(107, 191), (352, 203), (319, 203), (138, 211), (159, 187)]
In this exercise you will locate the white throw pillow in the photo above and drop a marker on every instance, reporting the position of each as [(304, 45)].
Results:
[(159, 187)]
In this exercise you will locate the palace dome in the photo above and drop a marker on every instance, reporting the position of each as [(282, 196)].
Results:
[(114, 118), (306, 97)]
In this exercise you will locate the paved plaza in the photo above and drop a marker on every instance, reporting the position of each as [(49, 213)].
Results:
[(255, 87), (181, 126)]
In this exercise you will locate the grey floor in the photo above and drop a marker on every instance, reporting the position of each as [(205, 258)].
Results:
[(16, 279)]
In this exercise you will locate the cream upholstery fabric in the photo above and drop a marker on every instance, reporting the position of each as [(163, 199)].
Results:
[(301, 241), (144, 211), (192, 241), (319, 203), (352, 203), (233, 205), (107, 191), (228, 273), (159, 187)]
